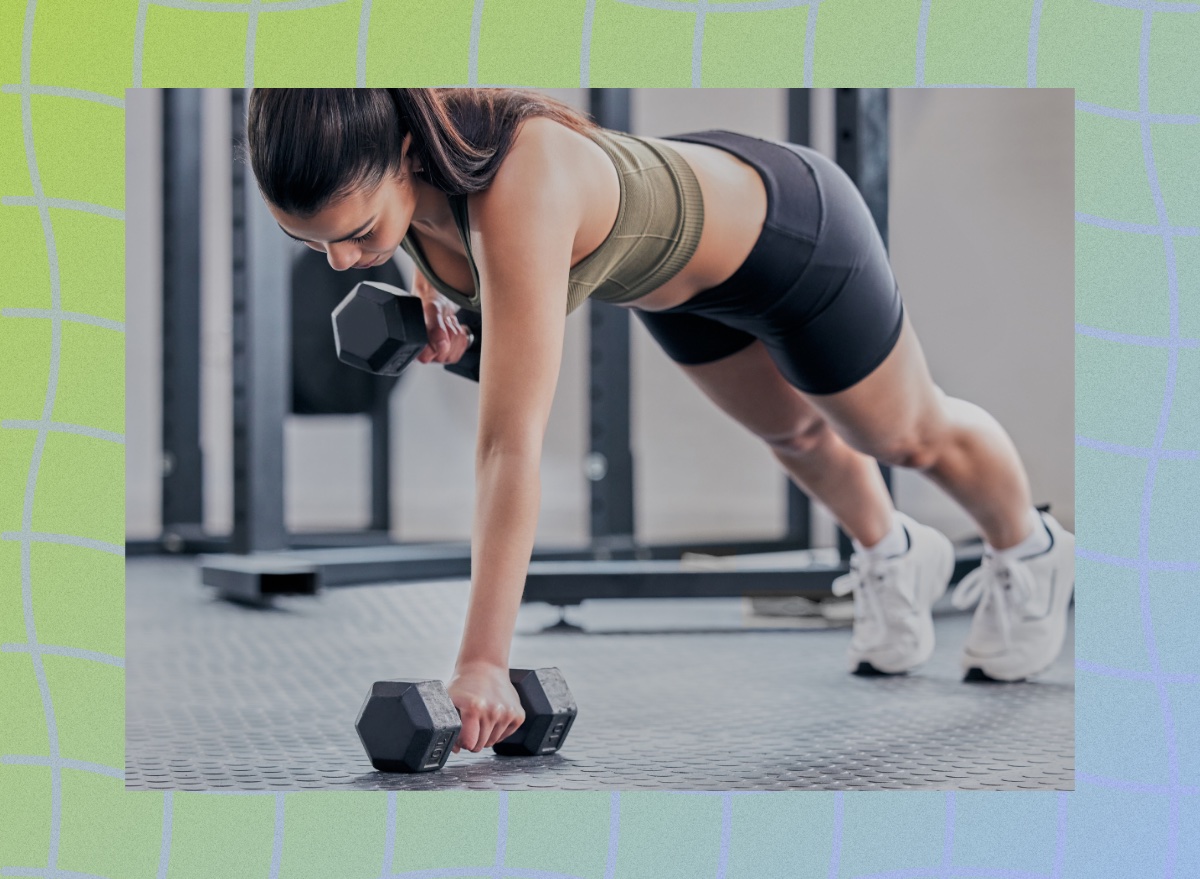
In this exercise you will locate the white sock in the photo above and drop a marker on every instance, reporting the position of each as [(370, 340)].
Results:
[(895, 543), (1037, 542)]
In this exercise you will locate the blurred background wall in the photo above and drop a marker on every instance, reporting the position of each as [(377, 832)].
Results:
[(981, 239)]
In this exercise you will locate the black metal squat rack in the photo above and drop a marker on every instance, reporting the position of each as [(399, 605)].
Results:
[(261, 559)]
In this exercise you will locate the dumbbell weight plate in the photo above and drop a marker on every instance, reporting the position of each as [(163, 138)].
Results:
[(408, 726), (549, 712), (379, 328)]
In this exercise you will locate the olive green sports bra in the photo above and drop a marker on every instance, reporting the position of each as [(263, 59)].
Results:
[(659, 219)]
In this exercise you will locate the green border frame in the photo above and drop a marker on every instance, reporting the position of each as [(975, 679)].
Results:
[(64, 68)]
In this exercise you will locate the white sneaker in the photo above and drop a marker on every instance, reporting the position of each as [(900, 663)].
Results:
[(1021, 621), (893, 626)]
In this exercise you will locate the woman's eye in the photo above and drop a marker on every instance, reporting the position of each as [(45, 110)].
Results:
[(363, 238)]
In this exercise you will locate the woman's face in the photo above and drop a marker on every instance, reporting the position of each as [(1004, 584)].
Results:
[(361, 230)]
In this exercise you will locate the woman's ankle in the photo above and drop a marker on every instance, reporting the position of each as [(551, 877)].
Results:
[(1036, 539)]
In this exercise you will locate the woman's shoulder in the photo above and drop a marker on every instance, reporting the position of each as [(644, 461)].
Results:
[(541, 139), (546, 156), (521, 230)]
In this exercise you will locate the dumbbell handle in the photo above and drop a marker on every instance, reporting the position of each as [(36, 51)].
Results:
[(549, 714), (467, 365), (372, 304), (548, 688), (471, 340)]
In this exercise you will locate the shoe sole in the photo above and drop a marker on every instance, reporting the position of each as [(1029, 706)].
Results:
[(865, 670), (976, 675)]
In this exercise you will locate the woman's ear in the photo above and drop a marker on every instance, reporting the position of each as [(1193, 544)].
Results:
[(406, 153)]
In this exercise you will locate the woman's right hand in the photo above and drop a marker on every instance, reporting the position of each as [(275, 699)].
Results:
[(487, 703), (448, 339)]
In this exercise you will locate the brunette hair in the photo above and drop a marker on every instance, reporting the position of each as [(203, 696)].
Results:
[(310, 147)]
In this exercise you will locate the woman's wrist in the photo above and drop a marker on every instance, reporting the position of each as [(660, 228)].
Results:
[(471, 661)]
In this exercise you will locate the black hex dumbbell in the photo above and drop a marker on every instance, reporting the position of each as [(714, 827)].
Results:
[(381, 328), (412, 726)]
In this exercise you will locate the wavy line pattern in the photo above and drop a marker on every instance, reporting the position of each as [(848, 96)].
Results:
[(842, 810)]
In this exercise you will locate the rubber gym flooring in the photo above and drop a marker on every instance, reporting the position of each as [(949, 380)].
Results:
[(672, 694)]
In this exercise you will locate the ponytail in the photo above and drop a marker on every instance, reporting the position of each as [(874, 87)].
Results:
[(309, 148)]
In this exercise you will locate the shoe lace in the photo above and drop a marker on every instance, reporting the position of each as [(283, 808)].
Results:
[(1002, 588), (870, 580)]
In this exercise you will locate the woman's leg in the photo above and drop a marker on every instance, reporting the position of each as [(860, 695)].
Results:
[(893, 624), (749, 387), (899, 416), (810, 313)]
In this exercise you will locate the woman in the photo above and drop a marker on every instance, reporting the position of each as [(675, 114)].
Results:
[(757, 267)]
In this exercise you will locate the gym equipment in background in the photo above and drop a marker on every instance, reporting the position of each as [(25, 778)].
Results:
[(614, 563)]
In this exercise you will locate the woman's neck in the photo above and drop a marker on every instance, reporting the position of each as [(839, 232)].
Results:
[(432, 212)]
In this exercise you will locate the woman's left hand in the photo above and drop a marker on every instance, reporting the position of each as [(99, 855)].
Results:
[(448, 339)]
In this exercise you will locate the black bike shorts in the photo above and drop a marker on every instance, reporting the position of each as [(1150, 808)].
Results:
[(817, 287)]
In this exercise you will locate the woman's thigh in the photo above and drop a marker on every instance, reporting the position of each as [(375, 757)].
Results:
[(896, 413), (748, 386)]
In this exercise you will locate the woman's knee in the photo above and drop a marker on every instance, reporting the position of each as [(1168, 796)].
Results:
[(915, 447), (914, 439), (807, 436)]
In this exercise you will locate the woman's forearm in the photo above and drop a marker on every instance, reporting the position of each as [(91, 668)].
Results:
[(507, 501)]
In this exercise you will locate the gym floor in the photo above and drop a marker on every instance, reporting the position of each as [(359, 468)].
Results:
[(672, 694)]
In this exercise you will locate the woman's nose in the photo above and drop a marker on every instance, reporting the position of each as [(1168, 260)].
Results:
[(342, 256)]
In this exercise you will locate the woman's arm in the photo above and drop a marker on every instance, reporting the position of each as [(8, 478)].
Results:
[(522, 231)]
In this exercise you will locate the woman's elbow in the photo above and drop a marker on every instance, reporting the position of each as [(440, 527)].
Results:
[(510, 446)]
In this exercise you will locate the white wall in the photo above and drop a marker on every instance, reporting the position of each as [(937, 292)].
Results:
[(982, 204), (981, 222)]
